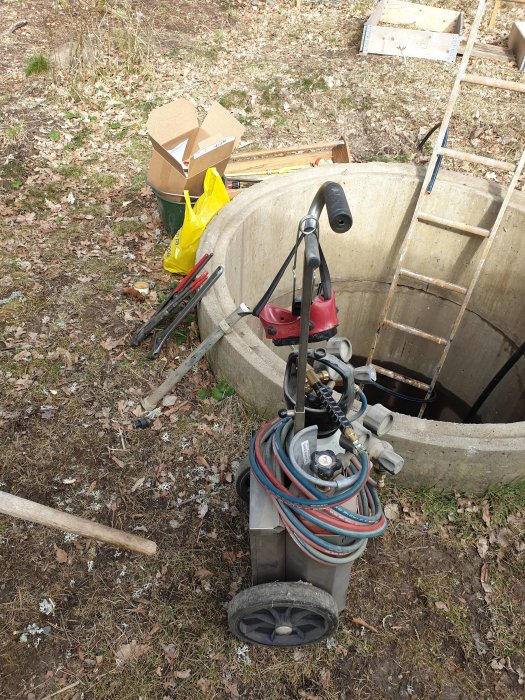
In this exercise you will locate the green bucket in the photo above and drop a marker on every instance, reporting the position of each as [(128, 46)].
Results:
[(171, 212)]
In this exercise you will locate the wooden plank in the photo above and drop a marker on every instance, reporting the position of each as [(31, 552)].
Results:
[(497, 53), (373, 20), (16, 507), (418, 16), (495, 10), (480, 160), (449, 223), (269, 165), (401, 377), (517, 43), (341, 152), (412, 43), (266, 153), (415, 331), (494, 13), (433, 280), (276, 159), (494, 82)]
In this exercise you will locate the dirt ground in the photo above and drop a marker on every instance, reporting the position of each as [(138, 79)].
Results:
[(436, 607)]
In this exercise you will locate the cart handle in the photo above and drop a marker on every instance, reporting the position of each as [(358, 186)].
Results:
[(333, 196)]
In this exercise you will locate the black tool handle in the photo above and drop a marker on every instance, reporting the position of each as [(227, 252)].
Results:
[(337, 207), (162, 337), (311, 251)]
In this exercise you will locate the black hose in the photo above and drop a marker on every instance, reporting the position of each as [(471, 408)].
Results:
[(496, 379), (404, 397), (427, 136)]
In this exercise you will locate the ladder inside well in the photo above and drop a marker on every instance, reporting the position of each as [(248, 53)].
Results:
[(485, 236)]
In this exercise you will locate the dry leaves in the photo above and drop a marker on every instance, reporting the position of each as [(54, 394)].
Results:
[(391, 511), (169, 400), (110, 344), (183, 675), (138, 483), (326, 679), (203, 574), (484, 578), (130, 652), (60, 555), (483, 547), (485, 513)]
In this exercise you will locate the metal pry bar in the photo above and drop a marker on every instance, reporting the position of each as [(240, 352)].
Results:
[(160, 338), (169, 306), (224, 327)]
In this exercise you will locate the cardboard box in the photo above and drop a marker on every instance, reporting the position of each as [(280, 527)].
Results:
[(183, 150)]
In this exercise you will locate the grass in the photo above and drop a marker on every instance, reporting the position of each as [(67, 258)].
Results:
[(15, 134), (12, 175), (122, 227), (35, 197), (101, 180), (506, 500), (397, 158), (80, 138), (436, 506), (72, 171), (270, 94), (316, 84), (108, 38), (36, 64), (234, 98), (348, 101), (138, 149)]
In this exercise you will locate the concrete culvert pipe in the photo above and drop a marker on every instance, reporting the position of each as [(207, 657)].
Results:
[(251, 238)]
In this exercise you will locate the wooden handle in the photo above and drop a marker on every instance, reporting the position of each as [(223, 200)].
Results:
[(17, 507)]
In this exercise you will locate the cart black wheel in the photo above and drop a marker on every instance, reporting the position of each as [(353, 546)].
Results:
[(242, 481), (283, 614)]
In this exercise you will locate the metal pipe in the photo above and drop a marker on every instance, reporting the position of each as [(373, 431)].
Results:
[(310, 229)]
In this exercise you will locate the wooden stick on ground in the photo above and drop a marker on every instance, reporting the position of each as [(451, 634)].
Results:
[(16, 507), (17, 25), (62, 690)]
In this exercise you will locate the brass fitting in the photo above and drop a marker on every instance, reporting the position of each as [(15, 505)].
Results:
[(353, 437)]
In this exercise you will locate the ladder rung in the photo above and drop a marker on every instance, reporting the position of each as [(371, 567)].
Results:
[(466, 228), (401, 378), (434, 280), (493, 82), (415, 331), (481, 160)]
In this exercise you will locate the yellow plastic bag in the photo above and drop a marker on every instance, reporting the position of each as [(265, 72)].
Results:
[(180, 256)]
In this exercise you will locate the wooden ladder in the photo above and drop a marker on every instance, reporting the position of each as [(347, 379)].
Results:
[(485, 236)]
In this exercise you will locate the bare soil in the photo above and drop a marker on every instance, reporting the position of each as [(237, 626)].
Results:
[(443, 589)]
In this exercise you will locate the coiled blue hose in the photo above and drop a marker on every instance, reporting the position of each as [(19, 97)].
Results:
[(297, 512)]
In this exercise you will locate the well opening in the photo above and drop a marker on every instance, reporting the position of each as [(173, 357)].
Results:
[(480, 351), (252, 237)]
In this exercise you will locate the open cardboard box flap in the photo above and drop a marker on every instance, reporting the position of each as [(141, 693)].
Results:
[(174, 129), (220, 121), (171, 122)]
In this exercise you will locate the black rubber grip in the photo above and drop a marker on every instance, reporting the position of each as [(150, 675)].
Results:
[(313, 258), (337, 207)]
